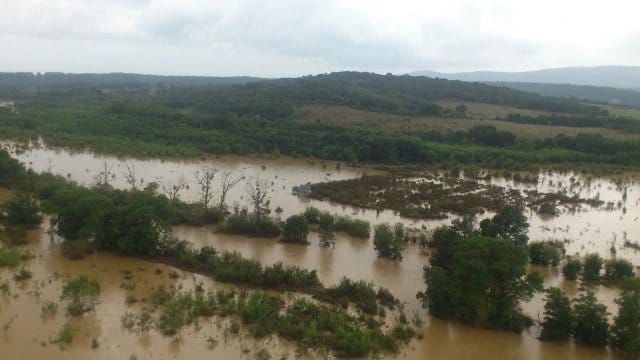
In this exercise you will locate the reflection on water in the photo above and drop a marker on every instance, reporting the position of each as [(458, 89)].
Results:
[(588, 229)]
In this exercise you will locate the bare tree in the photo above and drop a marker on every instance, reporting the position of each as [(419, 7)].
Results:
[(226, 184), (258, 189), (173, 191), (204, 178), (130, 176), (102, 178)]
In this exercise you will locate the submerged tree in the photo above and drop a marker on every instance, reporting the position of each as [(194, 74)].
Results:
[(591, 267), (173, 191), (204, 177), (226, 183), (509, 223), (130, 176), (482, 280), (257, 190), (558, 322), (626, 327), (591, 326)]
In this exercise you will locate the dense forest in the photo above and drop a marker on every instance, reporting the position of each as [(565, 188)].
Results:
[(260, 117)]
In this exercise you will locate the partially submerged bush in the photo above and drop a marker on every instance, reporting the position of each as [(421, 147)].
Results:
[(82, 293), (295, 230), (592, 267), (241, 222), (618, 269), (12, 257), (571, 268), (387, 243)]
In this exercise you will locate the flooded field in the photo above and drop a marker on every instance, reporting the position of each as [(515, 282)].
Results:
[(28, 335)]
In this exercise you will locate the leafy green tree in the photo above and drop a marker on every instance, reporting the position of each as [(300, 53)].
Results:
[(618, 269), (592, 267), (295, 230), (626, 327), (509, 223), (558, 321), (591, 326), (21, 209), (82, 293), (386, 243), (571, 268), (485, 283), (437, 297)]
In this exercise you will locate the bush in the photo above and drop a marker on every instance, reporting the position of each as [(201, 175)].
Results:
[(592, 267), (295, 230), (571, 268), (21, 209), (386, 243), (545, 253), (618, 269), (82, 294), (196, 214)]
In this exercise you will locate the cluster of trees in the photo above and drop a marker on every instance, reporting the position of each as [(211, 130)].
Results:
[(586, 320), (479, 277)]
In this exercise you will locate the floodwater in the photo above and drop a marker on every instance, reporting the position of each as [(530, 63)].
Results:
[(588, 230)]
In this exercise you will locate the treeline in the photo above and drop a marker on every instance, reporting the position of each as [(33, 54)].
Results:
[(609, 122)]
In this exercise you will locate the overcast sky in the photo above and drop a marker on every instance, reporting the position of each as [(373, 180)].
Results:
[(289, 38)]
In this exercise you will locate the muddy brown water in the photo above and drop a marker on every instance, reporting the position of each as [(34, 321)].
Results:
[(588, 230)]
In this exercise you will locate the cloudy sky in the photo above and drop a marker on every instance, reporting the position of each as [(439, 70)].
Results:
[(289, 38)]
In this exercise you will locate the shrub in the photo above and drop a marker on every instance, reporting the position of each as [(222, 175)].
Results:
[(295, 230), (571, 268), (592, 267), (82, 293), (386, 243), (618, 269)]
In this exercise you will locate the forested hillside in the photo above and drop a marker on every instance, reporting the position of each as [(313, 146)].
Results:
[(193, 117)]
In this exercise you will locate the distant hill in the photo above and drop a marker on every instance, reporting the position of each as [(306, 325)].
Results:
[(624, 77), (593, 93), (28, 84)]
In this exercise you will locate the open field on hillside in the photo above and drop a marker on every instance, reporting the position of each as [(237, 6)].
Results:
[(344, 116)]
